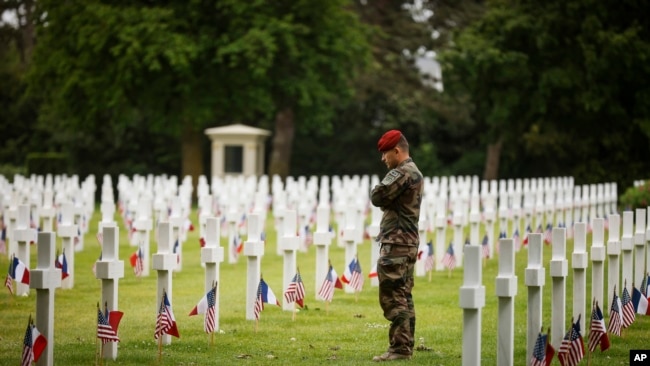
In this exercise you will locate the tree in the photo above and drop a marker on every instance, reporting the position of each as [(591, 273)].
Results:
[(179, 66), (548, 89)]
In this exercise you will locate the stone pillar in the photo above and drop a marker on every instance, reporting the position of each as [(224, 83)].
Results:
[(289, 244), (598, 261), (23, 236), (45, 279), (349, 235), (67, 232), (613, 259), (627, 247), (164, 262), (143, 225), (212, 256), (322, 240), (110, 269), (639, 247), (472, 300), (48, 211), (559, 272), (579, 264), (175, 224), (253, 250), (535, 280), (506, 290)]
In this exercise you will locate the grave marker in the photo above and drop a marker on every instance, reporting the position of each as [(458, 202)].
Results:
[(559, 270), (613, 258), (45, 279), (472, 300), (68, 231), (164, 262), (23, 236), (253, 250), (506, 290), (110, 269), (212, 256), (535, 280)]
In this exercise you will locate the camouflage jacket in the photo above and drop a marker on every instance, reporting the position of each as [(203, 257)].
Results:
[(399, 196)]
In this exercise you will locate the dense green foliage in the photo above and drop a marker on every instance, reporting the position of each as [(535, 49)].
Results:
[(556, 88)]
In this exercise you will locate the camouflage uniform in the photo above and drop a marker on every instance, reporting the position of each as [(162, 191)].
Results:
[(399, 196)]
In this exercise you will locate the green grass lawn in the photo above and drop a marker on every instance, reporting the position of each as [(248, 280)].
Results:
[(349, 333)]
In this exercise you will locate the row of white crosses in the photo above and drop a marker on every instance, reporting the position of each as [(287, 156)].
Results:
[(635, 243)]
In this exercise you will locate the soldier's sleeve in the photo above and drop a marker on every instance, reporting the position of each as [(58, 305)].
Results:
[(390, 188)]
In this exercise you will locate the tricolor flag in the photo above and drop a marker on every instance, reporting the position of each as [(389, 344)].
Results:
[(543, 352), (548, 234), (352, 275), (264, 295), (137, 263), (598, 333), (165, 322), (640, 302), (628, 308), (207, 306), (429, 260), (528, 231), (107, 324), (19, 271), (485, 247), (61, 262), (373, 272), (295, 291), (331, 281), (615, 316), (33, 344), (449, 259), (572, 349)]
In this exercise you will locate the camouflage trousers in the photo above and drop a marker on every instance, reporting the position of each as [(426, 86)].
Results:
[(395, 273)]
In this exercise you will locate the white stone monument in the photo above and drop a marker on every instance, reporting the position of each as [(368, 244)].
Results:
[(627, 247), (45, 279), (322, 240), (559, 270), (472, 300), (23, 236), (639, 247), (110, 269), (579, 265), (535, 280), (67, 230), (164, 262), (253, 250), (506, 290), (598, 261), (211, 257), (613, 258)]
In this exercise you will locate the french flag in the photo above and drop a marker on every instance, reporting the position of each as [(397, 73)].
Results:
[(640, 302), (19, 271), (62, 263)]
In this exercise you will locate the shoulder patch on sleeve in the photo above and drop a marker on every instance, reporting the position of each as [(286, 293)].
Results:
[(392, 176)]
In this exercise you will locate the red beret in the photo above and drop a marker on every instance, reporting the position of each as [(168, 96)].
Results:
[(389, 140)]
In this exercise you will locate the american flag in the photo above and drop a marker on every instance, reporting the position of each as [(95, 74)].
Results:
[(598, 333), (515, 238), (449, 259), (485, 247), (295, 291), (210, 315), (8, 281), (356, 281), (548, 234), (543, 352), (165, 323), (105, 331), (628, 308), (264, 295), (137, 262), (615, 317), (33, 345), (331, 281), (572, 349), (429, 260)]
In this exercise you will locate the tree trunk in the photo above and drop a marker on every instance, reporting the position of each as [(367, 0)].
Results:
[(27, 31), (492, 161), (280, 160), (191, 154)]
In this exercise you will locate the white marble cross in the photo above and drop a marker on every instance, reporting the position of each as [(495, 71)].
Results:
[(23, 236), (559, 270), (253, 250), (110, 269), (373, 231), (45, 279), (48, 212), (598, 260), (472, 300), (322, 241), (164, 262), (613, 258), (289, 244), (579, 264), (349, 237), (639, 247), (627, 246), (535, 279), (211, 257), (67, 230), (143, 225), (506, 290)]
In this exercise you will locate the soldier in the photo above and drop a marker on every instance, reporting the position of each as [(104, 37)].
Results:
[(399, 196)]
